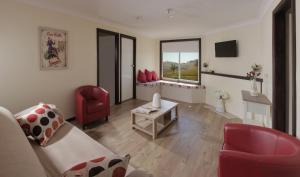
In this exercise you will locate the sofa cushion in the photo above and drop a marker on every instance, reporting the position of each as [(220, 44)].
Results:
[(148, 75), (69, 146), (94, 106), (142, 77), (103, 166), (17, 157), (41, 122)]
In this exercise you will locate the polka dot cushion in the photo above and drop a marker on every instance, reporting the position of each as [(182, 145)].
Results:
[(41, 122), (113, 166)]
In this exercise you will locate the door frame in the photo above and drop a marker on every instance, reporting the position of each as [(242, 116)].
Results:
[(280, 93), (134, 66), (117, 73)]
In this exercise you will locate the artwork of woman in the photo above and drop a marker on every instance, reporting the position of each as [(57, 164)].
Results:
[(53, 49)]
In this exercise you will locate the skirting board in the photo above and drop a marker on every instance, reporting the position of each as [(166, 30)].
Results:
[(225, 114), (70, 119)]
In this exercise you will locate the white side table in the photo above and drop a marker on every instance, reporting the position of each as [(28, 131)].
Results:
[(257, 105)]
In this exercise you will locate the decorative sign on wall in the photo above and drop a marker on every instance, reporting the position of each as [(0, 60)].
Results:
[(53, 49)]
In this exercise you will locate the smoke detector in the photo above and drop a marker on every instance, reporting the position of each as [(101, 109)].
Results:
[(170, 12)]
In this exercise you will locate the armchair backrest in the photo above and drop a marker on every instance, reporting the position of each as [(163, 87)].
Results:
[(261, 140), (89, 92)]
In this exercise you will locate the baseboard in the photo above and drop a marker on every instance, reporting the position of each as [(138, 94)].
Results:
[(225, 114), (70, 119)]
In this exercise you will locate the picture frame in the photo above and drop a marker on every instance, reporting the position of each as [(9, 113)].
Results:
[(53, 48)]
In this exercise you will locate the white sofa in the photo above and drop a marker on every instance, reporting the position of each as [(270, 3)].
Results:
[(188, 93), (68, 147)]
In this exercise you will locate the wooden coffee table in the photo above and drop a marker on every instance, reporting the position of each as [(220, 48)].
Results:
[(154, 123)]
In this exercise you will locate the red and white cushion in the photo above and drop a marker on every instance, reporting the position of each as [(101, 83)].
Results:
[(113, 166), (40, 122)]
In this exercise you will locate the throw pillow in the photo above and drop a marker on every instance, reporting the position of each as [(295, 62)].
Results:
[(154, 76), (142, 77), (41, 122), (113, 166), (148, 75)]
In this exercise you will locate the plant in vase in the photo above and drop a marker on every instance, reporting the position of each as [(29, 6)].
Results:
[(252, 75), (205, 66), (221, 97)]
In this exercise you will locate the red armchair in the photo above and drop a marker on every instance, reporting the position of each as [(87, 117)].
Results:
[(252, 151), (92, 103)]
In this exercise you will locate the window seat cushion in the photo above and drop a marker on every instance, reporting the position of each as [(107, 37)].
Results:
[(171, 83)]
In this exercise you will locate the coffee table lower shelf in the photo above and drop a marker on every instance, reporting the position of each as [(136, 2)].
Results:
[(147, 127), (154, 123)]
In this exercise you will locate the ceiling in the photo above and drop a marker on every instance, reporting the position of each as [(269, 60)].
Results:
[(190, 18)]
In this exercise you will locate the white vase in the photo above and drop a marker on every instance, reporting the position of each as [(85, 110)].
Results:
[(220, 107), (156, 103), (254, 91)]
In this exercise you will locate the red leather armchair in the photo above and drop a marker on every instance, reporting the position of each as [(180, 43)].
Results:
[(252, 151), (92, 103)]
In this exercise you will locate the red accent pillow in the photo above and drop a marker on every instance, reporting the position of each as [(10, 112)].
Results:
[(41, 122), (148, 75), (154, 76), (142, 77), (113, 166)]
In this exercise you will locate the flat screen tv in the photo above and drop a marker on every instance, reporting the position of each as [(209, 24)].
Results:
[(226, 49)]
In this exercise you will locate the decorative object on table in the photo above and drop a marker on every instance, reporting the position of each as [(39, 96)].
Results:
[(156, 101), (206, 66), (252, 75), (53, 49), (146, 109), (221, 97)]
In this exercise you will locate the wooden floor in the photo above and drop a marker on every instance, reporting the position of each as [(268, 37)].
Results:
[(188, 148)]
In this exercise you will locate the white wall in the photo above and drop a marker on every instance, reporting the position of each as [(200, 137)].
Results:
[(22, 84), (255, 46), (298, 65), (249, 52)]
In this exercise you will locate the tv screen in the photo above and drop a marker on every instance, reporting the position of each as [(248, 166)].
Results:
[(226, 49)]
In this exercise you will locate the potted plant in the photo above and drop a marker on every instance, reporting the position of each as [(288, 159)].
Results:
[(221, 97), (252, 75)]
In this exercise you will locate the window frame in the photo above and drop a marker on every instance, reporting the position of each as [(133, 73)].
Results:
[(199, 61)]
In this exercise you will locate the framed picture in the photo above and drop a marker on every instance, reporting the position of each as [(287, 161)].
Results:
[(53, 49)]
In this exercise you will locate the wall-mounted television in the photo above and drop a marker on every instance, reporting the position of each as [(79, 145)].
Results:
[(226, 49)]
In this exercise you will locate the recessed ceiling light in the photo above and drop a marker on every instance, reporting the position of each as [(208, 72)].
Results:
[(139, 18), (170, 12)]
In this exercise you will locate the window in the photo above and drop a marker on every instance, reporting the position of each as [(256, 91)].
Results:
[(180, 60)]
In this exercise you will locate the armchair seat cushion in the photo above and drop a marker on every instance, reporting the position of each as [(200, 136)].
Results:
[(229, 147), (94, 106)]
